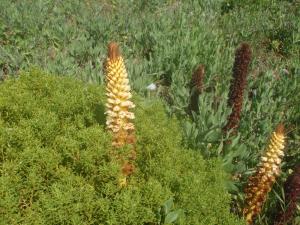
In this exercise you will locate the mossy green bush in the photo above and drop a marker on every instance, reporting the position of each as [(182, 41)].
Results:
[(56, 167)]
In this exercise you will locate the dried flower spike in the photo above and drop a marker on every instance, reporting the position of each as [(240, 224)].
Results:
[(238, 84), (260, 184), (292, 197), (118, 98), (196, 87)]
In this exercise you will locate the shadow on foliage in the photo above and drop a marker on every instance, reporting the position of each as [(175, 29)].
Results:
[(99, 114)]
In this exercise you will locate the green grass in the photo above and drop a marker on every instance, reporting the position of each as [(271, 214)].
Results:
[(164, 41)]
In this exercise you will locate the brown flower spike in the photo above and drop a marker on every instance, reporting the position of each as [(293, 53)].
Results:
[(238, 84), (196, 88), (260, 184), (118, 104), (292, 197)]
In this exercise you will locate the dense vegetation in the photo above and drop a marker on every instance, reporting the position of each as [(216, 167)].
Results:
[(56, 166), (162, 42)]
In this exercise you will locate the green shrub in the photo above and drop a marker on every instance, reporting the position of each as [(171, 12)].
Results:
[(56, 168)]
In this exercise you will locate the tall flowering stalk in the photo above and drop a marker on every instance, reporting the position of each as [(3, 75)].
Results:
[(118, 104), (238, 84), (260, 184), (292, 197), (196, 87)]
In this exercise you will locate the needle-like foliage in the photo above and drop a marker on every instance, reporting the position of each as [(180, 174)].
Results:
[(56, 164)]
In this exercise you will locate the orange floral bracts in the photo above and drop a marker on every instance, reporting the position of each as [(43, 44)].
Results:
[(260, 184)]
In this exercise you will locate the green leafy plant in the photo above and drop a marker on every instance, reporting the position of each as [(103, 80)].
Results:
[(166, 215)]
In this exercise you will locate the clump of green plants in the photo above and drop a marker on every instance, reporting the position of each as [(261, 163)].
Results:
[(163, 41), (56, 167)]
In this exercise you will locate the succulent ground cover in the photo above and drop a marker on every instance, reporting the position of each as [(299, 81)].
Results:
[(186, 51)]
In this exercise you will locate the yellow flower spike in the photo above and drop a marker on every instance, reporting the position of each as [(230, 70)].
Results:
[(118, 103), (119, 118), (260, 184)]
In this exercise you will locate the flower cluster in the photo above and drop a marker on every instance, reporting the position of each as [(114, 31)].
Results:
[(260, 184), (118, 104), (196, 87), (238, 84), (118, 99)]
